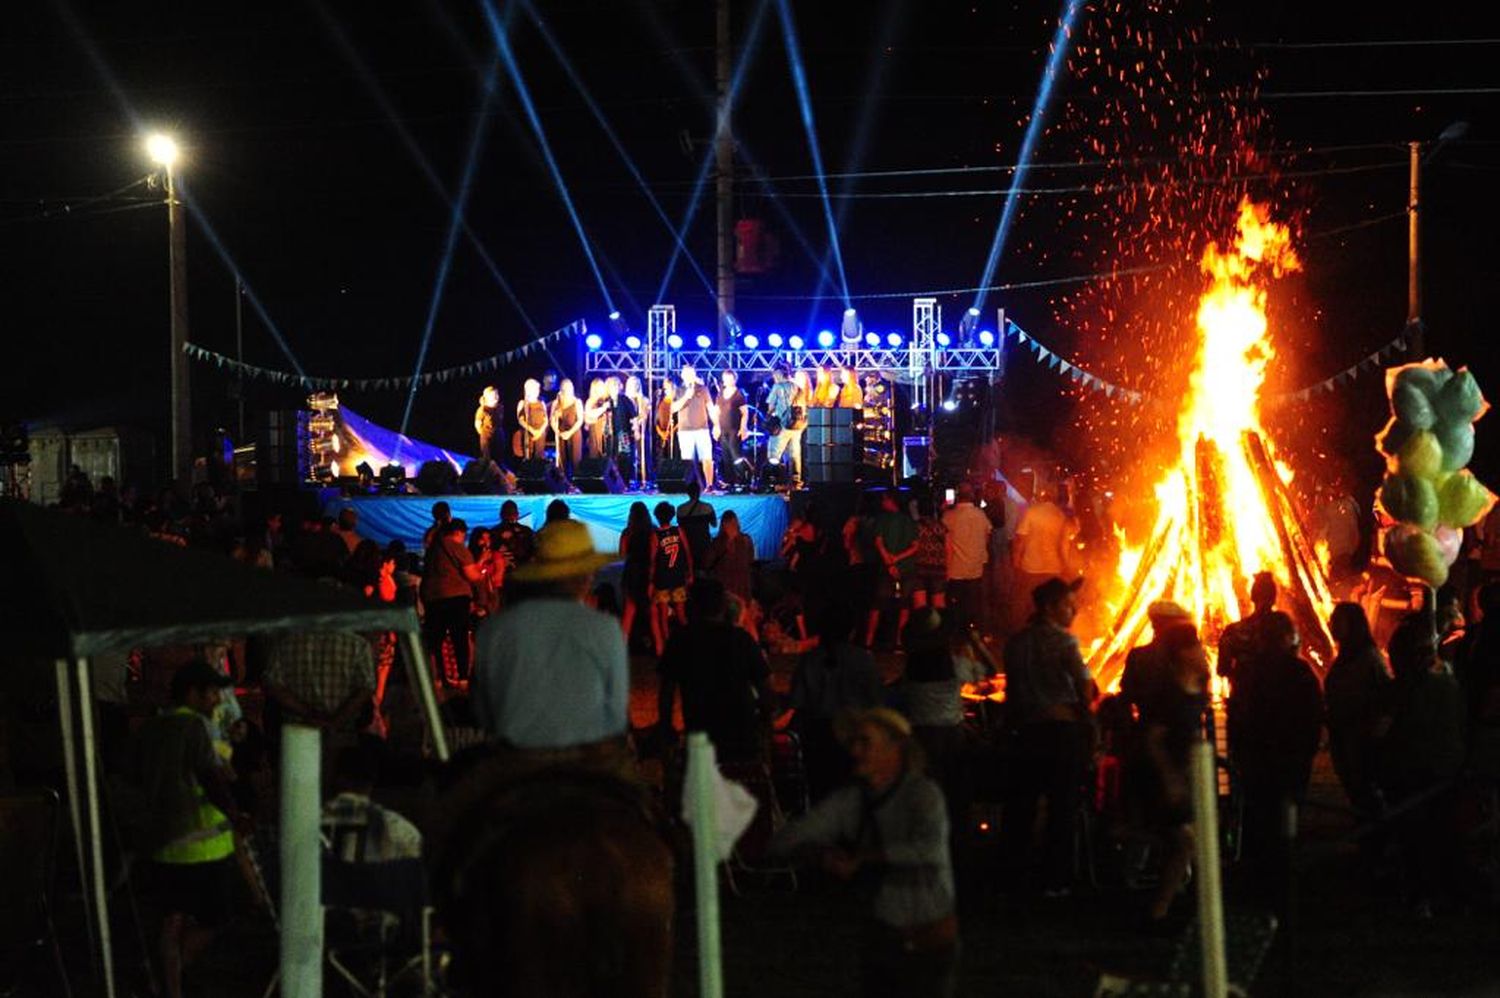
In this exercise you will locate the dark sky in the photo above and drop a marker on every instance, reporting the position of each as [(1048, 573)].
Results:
[(292, 115)]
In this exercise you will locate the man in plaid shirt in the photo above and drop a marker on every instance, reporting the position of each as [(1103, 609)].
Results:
[(322, 679)]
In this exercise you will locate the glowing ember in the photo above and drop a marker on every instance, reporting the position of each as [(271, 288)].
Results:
[(1223, 510)]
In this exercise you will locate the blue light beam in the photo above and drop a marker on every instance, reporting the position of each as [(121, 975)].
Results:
[(1061, 39)]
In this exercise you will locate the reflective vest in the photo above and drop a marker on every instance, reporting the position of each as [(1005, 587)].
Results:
[(211, 840)]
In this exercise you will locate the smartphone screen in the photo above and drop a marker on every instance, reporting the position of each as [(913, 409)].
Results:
[(948, 496)]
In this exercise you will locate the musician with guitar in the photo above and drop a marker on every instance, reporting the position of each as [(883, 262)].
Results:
[(530, 439)]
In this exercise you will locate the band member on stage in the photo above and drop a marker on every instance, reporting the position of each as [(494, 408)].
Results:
[(484, 420), (697, 422), (619, 432), (595, 413), (531, 418), (779, 418), (850, 396), (730, 427), (666, 420), (567, 426), (825, 394)]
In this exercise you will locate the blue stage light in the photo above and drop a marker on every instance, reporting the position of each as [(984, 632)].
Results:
[(894, 339), (593, 341), (674, 341), (986, 338), (614, 316), (775, 340), (703, 341), (632, 342), (872, 340), (825, 339), (795, 342), (750, 340), (943, 339), (950, 405)]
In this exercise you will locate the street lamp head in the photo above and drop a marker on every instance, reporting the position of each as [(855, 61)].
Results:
[(161, 149)]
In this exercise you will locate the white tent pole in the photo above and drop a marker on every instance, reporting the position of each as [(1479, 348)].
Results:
[(701, 769), (1205, 790), (301, 862), (96, 828), (70, 770), (421, 684)]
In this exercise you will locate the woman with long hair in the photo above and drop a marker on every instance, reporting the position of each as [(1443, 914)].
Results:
[(567, 426), (595, 409), (638, 548)]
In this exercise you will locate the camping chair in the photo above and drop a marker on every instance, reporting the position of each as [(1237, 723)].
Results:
[(28, 852), (1247, 939), (748, 855), (372, 912)]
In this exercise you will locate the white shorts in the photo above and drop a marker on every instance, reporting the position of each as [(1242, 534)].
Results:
[(696, 445)]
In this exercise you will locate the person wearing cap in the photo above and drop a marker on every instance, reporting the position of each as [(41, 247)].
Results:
[(191, 816), (551, 672), (1146, 667), (890, 829), (1048, 693)]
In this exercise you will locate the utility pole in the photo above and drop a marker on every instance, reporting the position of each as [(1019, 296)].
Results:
[(724, 178), (239, 355), (182, 408), (1415, 338)]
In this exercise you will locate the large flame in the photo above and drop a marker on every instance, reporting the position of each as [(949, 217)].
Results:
[(1223, 510)]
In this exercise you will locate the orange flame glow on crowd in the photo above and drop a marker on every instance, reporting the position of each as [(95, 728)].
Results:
[(1223, 509)]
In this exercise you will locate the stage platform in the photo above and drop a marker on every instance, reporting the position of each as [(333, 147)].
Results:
[(406, 518)]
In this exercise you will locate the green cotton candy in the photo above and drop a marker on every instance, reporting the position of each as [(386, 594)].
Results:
[(1415, 554), (1422, 455), (1460, 400), (1462, 501), (1456, 441), (1412, 406), (1391, 439), (1422, 378), (1411, 500)]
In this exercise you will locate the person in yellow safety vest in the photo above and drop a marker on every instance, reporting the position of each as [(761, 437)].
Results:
[(194, 818)]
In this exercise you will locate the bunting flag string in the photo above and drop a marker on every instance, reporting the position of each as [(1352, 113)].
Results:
[(491, 363), (1372, 362)]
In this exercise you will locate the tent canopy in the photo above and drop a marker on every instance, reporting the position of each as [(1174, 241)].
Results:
[(75, 588)]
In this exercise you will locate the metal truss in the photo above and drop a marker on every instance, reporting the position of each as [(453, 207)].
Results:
[(953, 360)]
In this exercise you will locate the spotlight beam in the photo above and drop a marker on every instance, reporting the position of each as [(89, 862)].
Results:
[(513, 70), (1062, 38), (804, 103)]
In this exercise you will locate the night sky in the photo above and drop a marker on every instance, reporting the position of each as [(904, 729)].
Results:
[(292, 117)]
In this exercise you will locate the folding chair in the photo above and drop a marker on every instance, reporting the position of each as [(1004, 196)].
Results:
[(749, 852), (28, 855), (369, 909)]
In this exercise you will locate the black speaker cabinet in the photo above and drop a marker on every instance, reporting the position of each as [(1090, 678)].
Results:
[(538, 477), (673, 475), (437, 478), (481, 477), (598, 476)]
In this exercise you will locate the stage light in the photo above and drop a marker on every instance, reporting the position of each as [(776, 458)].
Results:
[(632, 342), (967, 324), (161, 149), (872, 340), (986, 338), (750, 340), (795, 342), (617, 325), (703, 341), (850, 330), (894, 340), (943, 340), (593, 341), (950, 405), (775, 340), (674, 341), (825, 339)]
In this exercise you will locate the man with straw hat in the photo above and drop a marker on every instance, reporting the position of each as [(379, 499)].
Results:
[(552, 673)]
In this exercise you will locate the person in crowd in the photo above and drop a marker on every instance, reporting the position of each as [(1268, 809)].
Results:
[(671, 574), (890, 829), (485, 417), (850, 396), (825, 393), (357, 829), (449, 576), (835, 676), (731, 558), (1357, 690), (929, 583), (930, 695), (362, 571), (557, 511), (566, 419), (1279, 716), (346, 528), (896, 544), (731, 428), (317, 552), (781, 419), (1450, 623), (1039, 547), (251, 550), (1336, 524), (723, 678), (697, 520), (1048, 695), (806, 549), (551, 672), (638, 550), (191, 817), (968, 536), (863, 566), (596, 412), (442, 513), (697, 423), (514, 540), (323, 679), (531, 422), (1148, 667), (492, 567), (1246, 643), (664, 423)]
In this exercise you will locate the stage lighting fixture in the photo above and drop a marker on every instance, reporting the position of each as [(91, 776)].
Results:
[(825, 339), (986, 338), (795, 342), (894, 340), (943, 340), (632, 342), (674, 341), (967, 324), (950, 405), (750, 340), (775, 340), (872, 340), (850, 330), (703, 341), (593, 341), (618, 325)]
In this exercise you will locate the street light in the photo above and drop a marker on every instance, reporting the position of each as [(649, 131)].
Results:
[(163, 151)]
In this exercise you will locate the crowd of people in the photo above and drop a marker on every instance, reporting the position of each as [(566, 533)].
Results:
[(888, 616)]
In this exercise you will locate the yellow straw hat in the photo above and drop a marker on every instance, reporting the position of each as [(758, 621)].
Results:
[(564, 550)]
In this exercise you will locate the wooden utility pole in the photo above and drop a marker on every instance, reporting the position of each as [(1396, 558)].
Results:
[(724, 172), (182, 408), (1416, 341)]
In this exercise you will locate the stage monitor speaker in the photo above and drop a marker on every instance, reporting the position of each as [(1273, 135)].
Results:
[(481, 477), (673, 475), (437, 478), (830, 418), (538, 477), (598, 476), (828, 453), (822, 474)]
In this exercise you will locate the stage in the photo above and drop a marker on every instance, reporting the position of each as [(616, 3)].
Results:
[(406, 518)]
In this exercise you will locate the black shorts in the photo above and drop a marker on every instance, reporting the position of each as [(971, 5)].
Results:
[(203, 890)]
